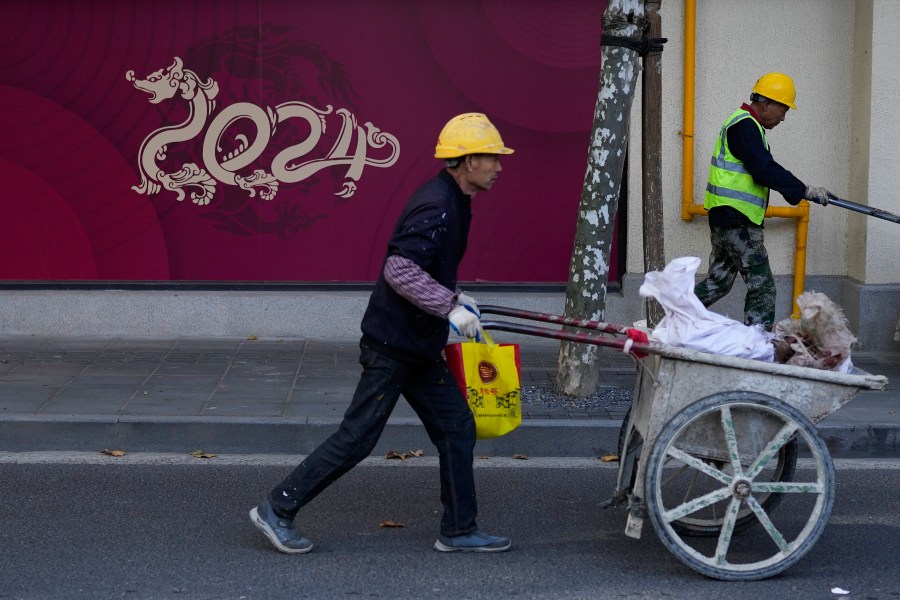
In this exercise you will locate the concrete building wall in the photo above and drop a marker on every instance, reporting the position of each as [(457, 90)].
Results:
[(883, 239)]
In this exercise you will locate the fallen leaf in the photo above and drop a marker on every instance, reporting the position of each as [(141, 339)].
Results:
[(390, 524), (484, 457), (610, 458), (405, 455), (113, 452), (520, 457), (252, 337), (202, 454)]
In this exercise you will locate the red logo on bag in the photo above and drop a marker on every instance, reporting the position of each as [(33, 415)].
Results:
[(487, 371)]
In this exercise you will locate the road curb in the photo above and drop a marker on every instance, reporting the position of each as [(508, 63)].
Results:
[(230, 435)]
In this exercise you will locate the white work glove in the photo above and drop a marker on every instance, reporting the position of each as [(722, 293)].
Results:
[(817, 194), (465, 322), (469, 302)]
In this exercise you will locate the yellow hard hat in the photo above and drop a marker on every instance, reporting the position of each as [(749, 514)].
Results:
[(469, 133), (778, 87)]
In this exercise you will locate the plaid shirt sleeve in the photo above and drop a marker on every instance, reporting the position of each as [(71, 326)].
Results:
[(418, 287)]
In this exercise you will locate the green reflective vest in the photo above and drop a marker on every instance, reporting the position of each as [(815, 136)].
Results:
[(729, 182)]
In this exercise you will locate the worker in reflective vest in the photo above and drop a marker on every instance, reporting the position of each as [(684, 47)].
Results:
[(740, 176)]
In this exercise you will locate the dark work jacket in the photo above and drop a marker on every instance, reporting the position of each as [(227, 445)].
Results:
[(432, 232)]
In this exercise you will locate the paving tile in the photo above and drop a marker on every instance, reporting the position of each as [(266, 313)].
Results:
[(166, 406), (328, 371), (184, 378), (139, 344), (79, 343), (186, 393), (120, 368), (338, 390), (55, 380), (262, 370), (215, 358), (21, 404), (333, 347), (94, 378), (10, 390), (72, 405), (245, 394), (210, 344), (48, 369), (244, 409), (94, 393), (20, 343), (315, 409), (189, 368)]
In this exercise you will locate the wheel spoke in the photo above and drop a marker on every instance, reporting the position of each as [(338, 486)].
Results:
[(787, 487), (768, 453), (727, 531), (731, 440), (700, 465), (767, 524), (696, 504)]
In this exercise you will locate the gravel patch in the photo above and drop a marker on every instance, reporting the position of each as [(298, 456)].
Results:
[(605, 397)]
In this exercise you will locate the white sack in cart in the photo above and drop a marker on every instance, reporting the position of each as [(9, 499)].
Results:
[(688, 324)]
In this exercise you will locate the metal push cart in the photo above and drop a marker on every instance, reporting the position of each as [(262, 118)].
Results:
[(710, 449)]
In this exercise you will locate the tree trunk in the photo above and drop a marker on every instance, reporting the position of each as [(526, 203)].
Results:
[(651, 161), (577, 372)]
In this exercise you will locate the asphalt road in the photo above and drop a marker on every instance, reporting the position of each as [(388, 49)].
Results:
[(78, 526)]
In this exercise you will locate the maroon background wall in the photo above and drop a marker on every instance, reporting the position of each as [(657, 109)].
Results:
[(77, 135)]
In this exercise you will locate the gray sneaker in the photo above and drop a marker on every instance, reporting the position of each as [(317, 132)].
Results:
[(473, 542), (281, 532)]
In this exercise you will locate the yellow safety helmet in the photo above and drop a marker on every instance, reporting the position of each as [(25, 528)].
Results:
[(778, 87), (469, 133)]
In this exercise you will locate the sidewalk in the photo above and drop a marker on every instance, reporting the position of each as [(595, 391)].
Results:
[(284, 396)]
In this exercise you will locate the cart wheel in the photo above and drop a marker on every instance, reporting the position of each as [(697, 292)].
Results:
[(725, 429), (711, 524)]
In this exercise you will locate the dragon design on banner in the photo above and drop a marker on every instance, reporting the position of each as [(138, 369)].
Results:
[(247, 130)]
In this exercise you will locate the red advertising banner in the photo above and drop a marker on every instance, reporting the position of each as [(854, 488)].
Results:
[(277, 140)]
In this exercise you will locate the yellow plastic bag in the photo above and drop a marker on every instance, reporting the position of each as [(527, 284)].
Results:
[(488, 376)]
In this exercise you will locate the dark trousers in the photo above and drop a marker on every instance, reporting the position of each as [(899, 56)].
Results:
[(740, 250), (432, 392)]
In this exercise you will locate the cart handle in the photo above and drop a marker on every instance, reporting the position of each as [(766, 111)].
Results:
[(551, 318), (628, 346)]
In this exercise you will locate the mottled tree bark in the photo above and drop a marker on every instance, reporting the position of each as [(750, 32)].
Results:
[(577, 371), (651, 162)]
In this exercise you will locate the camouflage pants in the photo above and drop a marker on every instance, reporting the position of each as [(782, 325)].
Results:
[(740, 250)]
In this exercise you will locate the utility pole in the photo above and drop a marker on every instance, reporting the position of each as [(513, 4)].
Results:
[(577, 372), (651, 161)]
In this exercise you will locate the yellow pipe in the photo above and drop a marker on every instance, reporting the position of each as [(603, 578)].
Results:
[(687, 128), (800, 256), (689, 209)]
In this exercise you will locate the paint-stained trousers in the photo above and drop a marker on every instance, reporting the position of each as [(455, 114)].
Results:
[(433, 393), (740, 250)]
